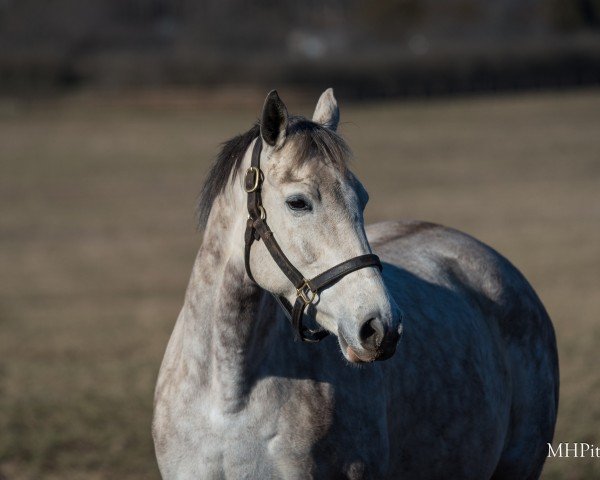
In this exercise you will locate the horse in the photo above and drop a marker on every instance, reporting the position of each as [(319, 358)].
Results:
[(469, 392)]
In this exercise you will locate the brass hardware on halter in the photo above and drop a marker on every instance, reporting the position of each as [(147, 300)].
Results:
[(305, 293), (256, 181), (263, 213)]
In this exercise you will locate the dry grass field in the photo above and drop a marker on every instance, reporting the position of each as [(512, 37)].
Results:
[(97, 239)]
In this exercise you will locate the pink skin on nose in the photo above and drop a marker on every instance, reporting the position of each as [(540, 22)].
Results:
[(353, 357)]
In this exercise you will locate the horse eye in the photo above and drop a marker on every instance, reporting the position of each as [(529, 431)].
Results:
[(298, 204)]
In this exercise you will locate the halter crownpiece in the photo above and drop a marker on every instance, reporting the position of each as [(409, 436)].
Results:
[(306, 290)]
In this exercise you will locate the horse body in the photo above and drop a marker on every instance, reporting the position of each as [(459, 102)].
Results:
[(476, 376), (471, 392)]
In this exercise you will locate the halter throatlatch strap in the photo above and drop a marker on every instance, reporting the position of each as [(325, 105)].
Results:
[(306, 290)]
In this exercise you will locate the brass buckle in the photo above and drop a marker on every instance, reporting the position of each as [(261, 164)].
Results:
[(305, 293), (263, 213), (256, 183)]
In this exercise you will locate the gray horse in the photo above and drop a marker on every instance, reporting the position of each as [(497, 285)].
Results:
[(470, 393)]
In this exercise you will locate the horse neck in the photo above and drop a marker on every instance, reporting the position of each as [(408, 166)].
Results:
[(228, 319)]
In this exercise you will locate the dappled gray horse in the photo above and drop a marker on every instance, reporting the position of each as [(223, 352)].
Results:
[(471, 392)]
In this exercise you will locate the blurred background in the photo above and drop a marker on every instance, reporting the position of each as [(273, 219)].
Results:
[(480, 115), (367, 49)]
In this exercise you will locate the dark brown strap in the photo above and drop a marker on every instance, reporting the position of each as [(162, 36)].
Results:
[(280, 258), (322, 281), (253, 181), (252, 185), (301, 332), (328, 277), (257, 228)]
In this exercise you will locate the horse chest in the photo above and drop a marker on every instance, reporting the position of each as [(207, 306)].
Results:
[(274, 435), (292, 435), (200, 440)]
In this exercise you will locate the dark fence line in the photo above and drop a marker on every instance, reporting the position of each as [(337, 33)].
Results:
[(375, 49), (357, 78)]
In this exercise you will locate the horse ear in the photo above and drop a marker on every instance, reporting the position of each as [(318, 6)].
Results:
[(327, 112), (274, 120)]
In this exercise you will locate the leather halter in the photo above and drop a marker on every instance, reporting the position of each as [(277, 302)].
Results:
[(306, 290)]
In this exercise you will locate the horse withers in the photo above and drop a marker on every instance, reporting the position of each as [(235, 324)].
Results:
[(470, 393)]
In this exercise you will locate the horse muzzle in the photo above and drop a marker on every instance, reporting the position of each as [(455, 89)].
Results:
[(375, 341)]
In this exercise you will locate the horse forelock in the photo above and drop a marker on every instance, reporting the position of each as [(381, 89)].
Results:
[(308, 140), (312, 141)]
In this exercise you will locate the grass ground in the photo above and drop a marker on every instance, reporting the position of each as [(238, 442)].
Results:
[(97, 240)]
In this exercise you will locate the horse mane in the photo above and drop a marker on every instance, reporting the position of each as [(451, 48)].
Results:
[(311, 141)]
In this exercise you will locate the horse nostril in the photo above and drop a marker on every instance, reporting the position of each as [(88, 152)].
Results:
[(371, 333)]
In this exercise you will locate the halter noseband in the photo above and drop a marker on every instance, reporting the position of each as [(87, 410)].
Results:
[(306, 290)]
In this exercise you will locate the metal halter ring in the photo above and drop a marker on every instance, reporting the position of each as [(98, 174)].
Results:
[(257, 173), (305, 293), (263, 213)]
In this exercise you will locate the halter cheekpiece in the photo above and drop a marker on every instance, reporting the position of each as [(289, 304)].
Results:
[(306, 290)]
